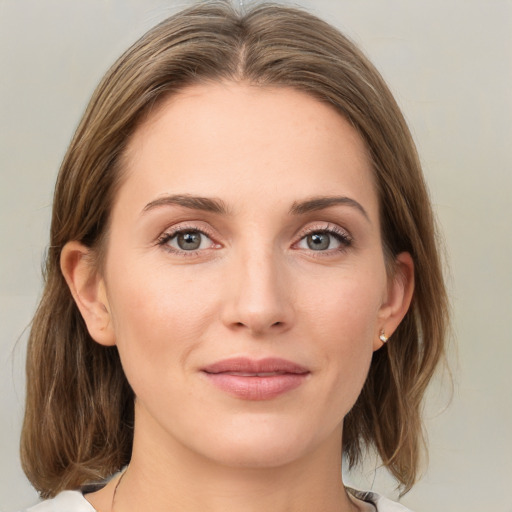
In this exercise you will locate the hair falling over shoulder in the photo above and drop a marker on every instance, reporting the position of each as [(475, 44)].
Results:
[(78, 425)]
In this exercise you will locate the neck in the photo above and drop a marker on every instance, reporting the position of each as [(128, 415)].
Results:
[(168, 475)]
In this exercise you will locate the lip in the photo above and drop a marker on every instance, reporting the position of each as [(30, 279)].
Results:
[(252, 379)]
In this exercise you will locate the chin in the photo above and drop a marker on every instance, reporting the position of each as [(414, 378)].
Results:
[(267, 445)]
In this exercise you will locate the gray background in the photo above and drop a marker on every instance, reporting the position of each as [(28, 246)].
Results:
[(449, 64)]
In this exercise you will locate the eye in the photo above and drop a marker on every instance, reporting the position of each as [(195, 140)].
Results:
[(187, 240), (319, 241), (324, 240)]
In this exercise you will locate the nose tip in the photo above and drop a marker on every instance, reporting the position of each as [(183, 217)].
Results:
[(258, 298)]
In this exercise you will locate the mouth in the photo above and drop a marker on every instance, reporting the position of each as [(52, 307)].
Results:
[(251, 379)]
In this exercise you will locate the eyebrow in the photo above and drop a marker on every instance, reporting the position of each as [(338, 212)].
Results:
[(204, 204), (322, 202), (218, 206)]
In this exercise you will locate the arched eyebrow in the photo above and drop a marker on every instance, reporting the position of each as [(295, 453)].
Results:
[(322, 202), (214, 205), (206, 204)]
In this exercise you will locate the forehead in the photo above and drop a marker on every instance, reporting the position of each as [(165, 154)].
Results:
[(235, 140)]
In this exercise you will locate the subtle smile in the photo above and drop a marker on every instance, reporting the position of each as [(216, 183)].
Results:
[(251, 379)]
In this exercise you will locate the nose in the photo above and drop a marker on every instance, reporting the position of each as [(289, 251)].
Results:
[(259, 292)]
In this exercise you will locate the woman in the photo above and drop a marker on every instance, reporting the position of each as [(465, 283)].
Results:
[(239, 226)]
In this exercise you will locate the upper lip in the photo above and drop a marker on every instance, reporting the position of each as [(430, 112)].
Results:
[(245, 365)]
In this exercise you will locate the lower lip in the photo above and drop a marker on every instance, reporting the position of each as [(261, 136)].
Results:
[(257, 388)]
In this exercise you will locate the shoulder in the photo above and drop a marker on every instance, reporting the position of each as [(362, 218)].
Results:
[(381, 503), (66, 501)]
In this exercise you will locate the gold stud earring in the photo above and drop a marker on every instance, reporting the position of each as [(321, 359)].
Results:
[(383, 337)]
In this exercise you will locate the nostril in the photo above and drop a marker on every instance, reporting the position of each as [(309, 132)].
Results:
[(242, 324)]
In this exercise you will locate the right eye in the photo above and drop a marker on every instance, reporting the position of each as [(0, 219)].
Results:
[(187, 240), (330, 239), (320, 241)]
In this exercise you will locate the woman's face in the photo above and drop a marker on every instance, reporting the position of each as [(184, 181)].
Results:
[(245, 279)]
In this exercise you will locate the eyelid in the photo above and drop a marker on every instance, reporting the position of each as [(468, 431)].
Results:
[(174, 230), (327, 227), (342, 234)]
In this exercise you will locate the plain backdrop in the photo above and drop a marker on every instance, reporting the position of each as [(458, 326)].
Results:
[(449, 63)]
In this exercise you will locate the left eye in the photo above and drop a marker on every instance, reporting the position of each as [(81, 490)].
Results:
[(320, 241), (190, 240)]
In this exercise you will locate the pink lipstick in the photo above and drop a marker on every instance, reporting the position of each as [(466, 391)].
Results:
[(251, 379)]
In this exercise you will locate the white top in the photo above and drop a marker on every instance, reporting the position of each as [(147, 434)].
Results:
[(380, 503), (74, 501)]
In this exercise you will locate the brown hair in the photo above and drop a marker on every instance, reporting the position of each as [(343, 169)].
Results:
[(79, 414)]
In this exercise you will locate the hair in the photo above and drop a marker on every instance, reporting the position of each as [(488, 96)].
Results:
[(79, 416)]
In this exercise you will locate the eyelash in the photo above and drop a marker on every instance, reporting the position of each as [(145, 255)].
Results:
[(164, 239), (340, 235)]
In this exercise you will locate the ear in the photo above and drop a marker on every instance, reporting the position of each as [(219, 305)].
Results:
[(88, 290), (398, 298)]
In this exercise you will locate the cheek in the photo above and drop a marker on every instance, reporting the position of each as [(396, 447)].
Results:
[(344, 305), (158, 319), (342, 319), (149, 297)]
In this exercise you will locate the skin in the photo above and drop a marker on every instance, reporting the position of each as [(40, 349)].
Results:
[(254, 288)]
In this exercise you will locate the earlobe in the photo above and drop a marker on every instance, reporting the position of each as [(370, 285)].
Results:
[(398, 299), (88, 290)]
